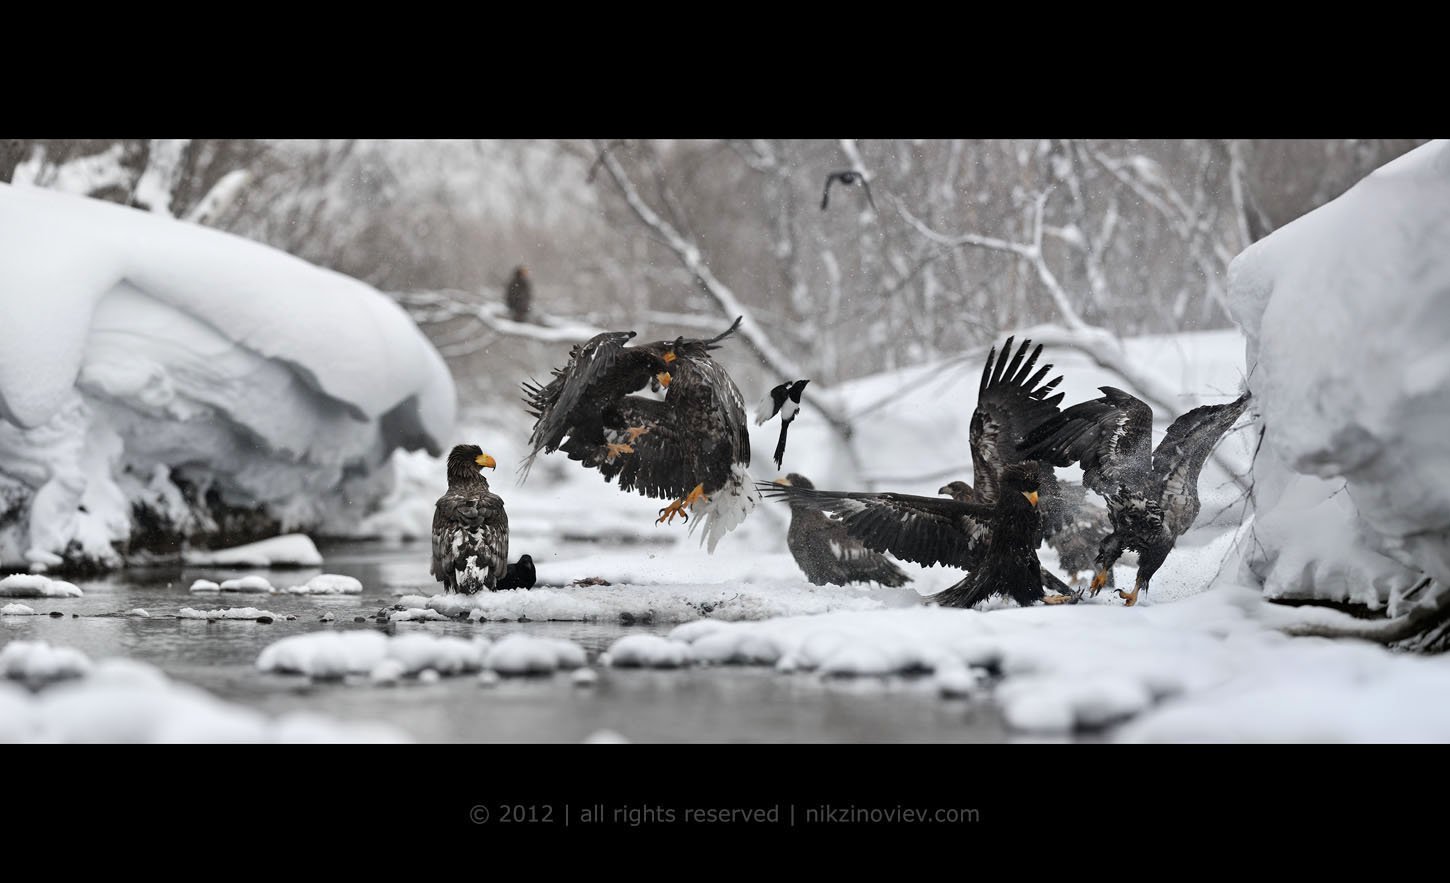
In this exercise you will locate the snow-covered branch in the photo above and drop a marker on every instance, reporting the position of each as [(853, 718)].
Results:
[(222, 194), (434, 307)]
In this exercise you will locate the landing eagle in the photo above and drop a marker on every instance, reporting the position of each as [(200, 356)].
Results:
[(689, 445)]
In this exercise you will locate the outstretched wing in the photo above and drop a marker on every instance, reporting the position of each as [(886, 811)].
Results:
[(554, 405), (1011, 401), (1111, 437), (1179, 458), (927, 530)]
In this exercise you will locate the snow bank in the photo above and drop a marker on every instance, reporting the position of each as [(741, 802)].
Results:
[(1347, 315), (291, 550), (385, 658), (33, 585), (158, 365), (119, 700)]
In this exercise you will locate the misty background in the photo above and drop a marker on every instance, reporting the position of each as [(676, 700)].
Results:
[(959, 241)]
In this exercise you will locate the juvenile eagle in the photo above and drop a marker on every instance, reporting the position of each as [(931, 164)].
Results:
[(1152, 495), (691, 447), (470, 527), (826, 553), (520, 294), (929, 530)]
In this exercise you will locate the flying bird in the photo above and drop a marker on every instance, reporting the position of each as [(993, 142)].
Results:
[(470, 527), (691, 446), (1011, 400), (784, 400), (847, 178), (1152, 495), (520, 575), (826, 553), (520, 294)]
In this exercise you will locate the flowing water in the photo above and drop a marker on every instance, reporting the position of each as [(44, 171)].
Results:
[(712, 704)]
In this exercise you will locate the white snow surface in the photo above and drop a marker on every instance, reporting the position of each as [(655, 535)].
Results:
[(289, 550), (226, 613), (1347, 316), (120, 700), (325, 584), (33, 585), (16, 610), (335, 654), (141, 349), (649, 651)]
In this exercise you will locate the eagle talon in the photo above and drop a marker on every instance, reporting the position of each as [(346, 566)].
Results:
[(1130, 598), (1100, 579), (634, 432), (617, 449), (1070, 598), (667, 514)]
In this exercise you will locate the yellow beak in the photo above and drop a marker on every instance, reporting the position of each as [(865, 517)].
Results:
[(664, 378), (669, 357), (1031, 497), (485, 461), (783, 482)]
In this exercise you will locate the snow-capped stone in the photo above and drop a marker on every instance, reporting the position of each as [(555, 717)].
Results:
[(649, 651), (246, 584), (521, 654), (290, 550), (38, 661), (16, 610), (34, 585)]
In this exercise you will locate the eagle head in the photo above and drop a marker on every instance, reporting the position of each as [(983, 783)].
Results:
[(465, 461), (959, 491), (1022, 478), (795, 479)]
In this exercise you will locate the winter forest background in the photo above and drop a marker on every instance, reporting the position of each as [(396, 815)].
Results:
[(967, 237)]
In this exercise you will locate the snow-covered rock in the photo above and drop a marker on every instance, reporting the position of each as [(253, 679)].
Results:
[(252, 584), (290, 550), (38, 662), (334, 654), (33, 585), (204, 585), (1347, 315), (520, 654), (158, 364), (649, 651), (325, 584), (228, 613), (16, 610)]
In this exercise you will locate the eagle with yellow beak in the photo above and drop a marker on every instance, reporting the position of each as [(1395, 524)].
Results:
[(470, 527)]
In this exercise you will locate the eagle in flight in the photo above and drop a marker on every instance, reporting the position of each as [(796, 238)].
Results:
[(664, 418), (470, 527), (1152, 495), (1011, 400), (827, 553)]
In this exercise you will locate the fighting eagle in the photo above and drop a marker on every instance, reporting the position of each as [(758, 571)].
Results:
[(1007, 563), (470, 527), (1072, 526), (1152, 495), (929, 530), (691, 446), (826, 553)]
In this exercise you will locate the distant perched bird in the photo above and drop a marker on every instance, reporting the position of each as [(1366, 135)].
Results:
[(470, 528), (1152, 495), (520, 294), (520, 575), (826, 553), (847, 178), (1008, 562), (693, 446), (1011, 400), (784, 400), (1072, 526)]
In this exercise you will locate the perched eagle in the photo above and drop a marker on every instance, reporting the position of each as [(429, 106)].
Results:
[(691, 446), (784, 400), (1152, 495), (1072, 526), (826, 553), (520, 294), (470, 528), (1011, 400)]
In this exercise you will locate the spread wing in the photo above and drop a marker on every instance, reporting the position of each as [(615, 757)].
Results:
[(1011, 401), (470, 541), (927, 530), (1111, 437), (555, 406), (1179, 458)]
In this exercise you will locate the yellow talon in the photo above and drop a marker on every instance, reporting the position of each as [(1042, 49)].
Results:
[(696, 496), (667, 514), (1061, 599), (615, 450), (1131, 599), (1100, 579), (634, 432)]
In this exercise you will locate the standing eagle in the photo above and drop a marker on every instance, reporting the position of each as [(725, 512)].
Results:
[(1008, 563), (691, 446), (520, 294), (1152, 494), (825, 551), (1072, 526), (929, 530), (470, 527)]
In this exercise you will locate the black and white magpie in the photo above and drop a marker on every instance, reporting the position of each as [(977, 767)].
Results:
[(784, 400), (848, 178)]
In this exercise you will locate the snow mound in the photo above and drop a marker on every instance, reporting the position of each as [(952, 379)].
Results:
[(1347, 314), (228, 613), (520, 654), (245, 584), (119, 700), (38, 662), (649, 651), (164, 366), (16, 610), (660, 604), (416, 614), (33, 585), (204, 585), (335, 654), (291, 550), (326, 584)]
